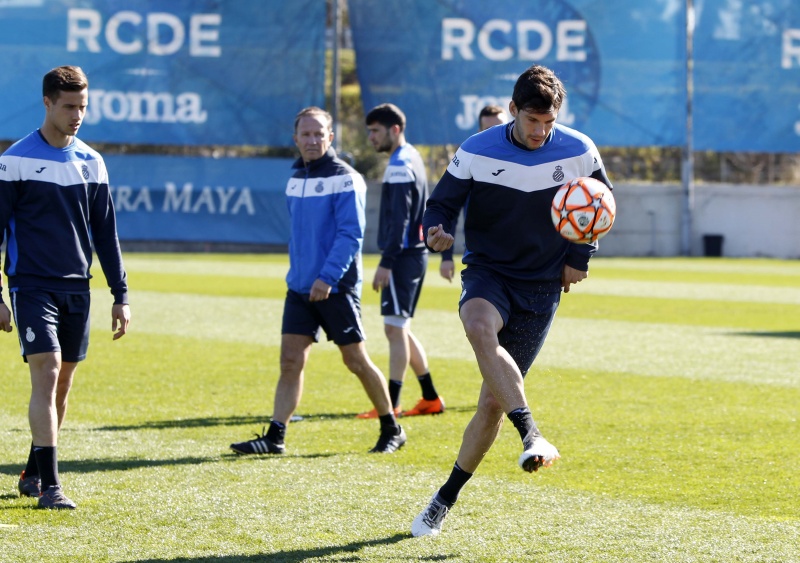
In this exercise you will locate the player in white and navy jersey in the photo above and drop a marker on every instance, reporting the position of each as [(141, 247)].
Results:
[(517, 264), (404, 258), (326, 199), (55, 206)]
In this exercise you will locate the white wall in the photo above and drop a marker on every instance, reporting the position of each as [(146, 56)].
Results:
[(754, 221)]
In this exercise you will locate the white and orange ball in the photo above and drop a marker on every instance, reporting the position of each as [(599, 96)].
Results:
[(583, 210)]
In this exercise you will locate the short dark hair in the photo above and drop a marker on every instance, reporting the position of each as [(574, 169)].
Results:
[(63, 79), (539, 90), (313, 110), (489, 110), (387, 115)]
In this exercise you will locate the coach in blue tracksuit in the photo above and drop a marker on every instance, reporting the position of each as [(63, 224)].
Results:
[(55, 204), (516, 263), (326, 199)]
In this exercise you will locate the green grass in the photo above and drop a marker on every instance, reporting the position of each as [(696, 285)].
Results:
[(670, 386)]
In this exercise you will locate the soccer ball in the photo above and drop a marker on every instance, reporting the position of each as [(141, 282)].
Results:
[(583, 210)]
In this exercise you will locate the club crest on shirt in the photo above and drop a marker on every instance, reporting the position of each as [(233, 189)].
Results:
[(558, 175), (85, 172), (319, 187)]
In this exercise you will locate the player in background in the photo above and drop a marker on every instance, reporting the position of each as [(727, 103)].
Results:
[(55, 204), (326, 198), (516, 264), (404, 258), (489, 116)]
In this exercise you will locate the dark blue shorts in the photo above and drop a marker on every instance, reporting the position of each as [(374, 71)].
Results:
[(405, 285), (49, 321), (527, 310), (339, 316)]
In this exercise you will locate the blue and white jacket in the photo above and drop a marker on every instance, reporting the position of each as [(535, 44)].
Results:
[(54, 205), (403, 195), (327, 201), (507, 191)]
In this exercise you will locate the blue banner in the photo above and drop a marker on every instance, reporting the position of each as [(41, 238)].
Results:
[(747, 76), (183, 72), (233, 200), (622, 62)]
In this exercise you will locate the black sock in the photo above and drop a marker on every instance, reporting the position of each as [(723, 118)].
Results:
[(428, 390), (394, 392), (523, 422), (276, 432), (449, 491), (47, 460), (389, 424), (32, 468)]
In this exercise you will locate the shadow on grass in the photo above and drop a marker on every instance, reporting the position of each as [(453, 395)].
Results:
[(339, 552), (257, 421), (772, 334), (94, 465)]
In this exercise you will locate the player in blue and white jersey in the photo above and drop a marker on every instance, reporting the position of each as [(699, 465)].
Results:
[(404, 258), (326, 198), (55, 205), (517, 264)]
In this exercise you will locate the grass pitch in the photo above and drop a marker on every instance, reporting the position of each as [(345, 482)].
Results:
[(670, 386)]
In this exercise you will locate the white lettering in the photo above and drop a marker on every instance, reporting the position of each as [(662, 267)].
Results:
[(180, 201), (122, 199), (154, 21), (84, 26), (569, 34), (245, 200), (790, 48), (545, 43), (174, 201), (459, 34), (198, 35), (485, 40), (206, 200), (468, 118), (224, 198), (148, 107), (88, 33), (112, 33)]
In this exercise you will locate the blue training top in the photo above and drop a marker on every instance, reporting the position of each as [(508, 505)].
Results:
[(55, 204), (326, 199), (403, 195), (507, 192)]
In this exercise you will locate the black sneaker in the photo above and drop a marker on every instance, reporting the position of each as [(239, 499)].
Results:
[(258, 445), (53, 499), (29, 486), (389, 443)]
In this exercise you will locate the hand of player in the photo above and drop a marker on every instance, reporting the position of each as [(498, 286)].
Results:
[(438, 239), (5, 318), (447, 270), (381, 278), (320, 291), (571, 275), (120, 314)]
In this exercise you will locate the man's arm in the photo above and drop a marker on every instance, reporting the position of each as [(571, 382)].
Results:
[(5, 314), (350, 218)]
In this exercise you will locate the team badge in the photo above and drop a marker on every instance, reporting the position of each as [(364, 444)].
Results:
[(558, 175), (29, 336), (319, 187), (85, 172)]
